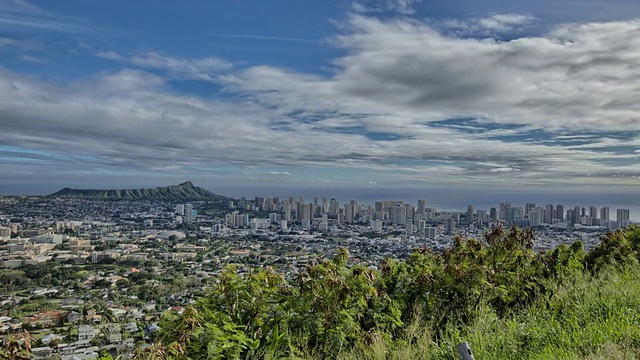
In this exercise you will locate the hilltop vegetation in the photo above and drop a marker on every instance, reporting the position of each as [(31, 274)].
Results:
[(182, 192)]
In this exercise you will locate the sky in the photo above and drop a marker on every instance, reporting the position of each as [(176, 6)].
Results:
[(438, 99)]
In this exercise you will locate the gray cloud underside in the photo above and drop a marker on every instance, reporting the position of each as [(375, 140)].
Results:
[(396, 79)]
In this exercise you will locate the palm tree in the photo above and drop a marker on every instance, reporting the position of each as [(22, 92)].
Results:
[(12, 346)]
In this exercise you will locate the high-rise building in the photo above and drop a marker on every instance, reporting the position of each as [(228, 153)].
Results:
[(604, 214), (576, 215), (450, 225), (421, 207), (408, 226), (560, 212), (548, 214), (306, 211), (514, 215), (334, 205), (481, 217), (376, 225), (409, 211), (188, 213), (593, 212), (274, 217), (493, 214), (503, 210), (469, 214), (528, 207), (536, 216), (350, 213), (622, 217), (398, 215), (180, 209)]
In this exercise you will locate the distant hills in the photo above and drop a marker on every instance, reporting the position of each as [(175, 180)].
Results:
[(182, 192)]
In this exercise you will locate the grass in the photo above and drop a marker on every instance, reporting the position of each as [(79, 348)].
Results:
[(589, 318)]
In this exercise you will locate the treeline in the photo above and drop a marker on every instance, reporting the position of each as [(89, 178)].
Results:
[(332, 306)]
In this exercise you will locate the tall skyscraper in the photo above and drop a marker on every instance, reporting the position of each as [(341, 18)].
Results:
[(576, 215), (503, 209), (593, 212), (528, 207), (560, 212), (421, 207), (334, 205), (351, 213), (481, 217), (188, 213), (409, 211), (450, 225), (514, 215), (622, 217), (548, 214), (536, 216), (469, 214), (604, 214)]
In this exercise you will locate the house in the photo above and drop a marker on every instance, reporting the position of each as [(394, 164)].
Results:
[(113, 332), (49, 338), (128, 343), (136, 313), (44, 352), (92, 316), (131, 327), (74, 317), (86, 332), (118, 313), (46, 319)]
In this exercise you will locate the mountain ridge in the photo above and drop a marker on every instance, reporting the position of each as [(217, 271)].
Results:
[(185, 191)]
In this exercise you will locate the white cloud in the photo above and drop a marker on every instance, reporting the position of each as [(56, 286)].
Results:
[(375, 112)]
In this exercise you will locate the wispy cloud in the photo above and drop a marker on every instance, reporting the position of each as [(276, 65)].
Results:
[(33, 59), (403, 7), (492, 25), (203, 69)]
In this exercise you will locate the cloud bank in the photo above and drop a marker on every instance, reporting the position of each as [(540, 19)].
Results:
[(406, 103)]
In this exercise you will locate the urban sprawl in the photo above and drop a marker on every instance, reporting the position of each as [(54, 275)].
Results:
[(88, 277)]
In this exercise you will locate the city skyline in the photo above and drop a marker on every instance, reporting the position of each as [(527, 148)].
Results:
[(467, 102)]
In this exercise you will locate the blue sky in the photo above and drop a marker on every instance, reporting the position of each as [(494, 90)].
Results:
[(443, 97)]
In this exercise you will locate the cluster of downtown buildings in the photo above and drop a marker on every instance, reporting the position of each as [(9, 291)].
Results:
[(328, 215)]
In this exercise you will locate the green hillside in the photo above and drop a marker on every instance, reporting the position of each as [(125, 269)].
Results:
[(182, 192), (504, 299)]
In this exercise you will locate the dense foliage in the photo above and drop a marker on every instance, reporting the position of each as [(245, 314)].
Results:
[(334, 306)]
